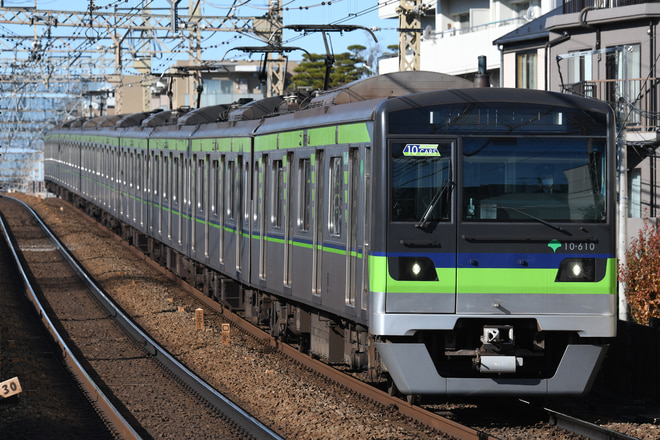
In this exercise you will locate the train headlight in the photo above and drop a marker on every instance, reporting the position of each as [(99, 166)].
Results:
[(577, 270), (412, 269)]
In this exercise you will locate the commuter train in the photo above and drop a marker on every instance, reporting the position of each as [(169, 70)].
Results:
[(460, 239)]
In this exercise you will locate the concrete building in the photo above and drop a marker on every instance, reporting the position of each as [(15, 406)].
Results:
[(222, 83), (456, 32)]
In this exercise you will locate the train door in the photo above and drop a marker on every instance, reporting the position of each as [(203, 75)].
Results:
[(213, 223), (246, 237), (207, 203), (132, 185), (223, 190), (115, 156), (288, 219), (194, 202), (123, 187), (263, 210), (176, 218), (144, 168), (231, 218), (238, 209), (366, 226), (352, 226), (318, 216), (421, 235), (187, 212), (158, 195)]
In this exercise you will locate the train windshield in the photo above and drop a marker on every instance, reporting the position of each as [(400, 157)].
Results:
[(421, 182), (525, 179)]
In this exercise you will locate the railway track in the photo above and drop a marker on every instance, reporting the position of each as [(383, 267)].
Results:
[(582, 427), (140, 389), (431, 419), (38, 385)]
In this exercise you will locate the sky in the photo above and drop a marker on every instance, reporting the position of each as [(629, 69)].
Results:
[(347, 12)]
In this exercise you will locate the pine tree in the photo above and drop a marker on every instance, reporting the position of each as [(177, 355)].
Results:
[(347, 67)]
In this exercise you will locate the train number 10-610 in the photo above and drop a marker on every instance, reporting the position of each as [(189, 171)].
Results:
[(580, 246)]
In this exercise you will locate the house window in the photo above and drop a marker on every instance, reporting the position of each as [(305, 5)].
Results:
[(624, 67), (211, 85), (635, 193), (226, 86), (580, 74), (526, 70)]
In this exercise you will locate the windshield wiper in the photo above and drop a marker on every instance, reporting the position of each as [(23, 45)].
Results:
[(538, 219), (434, 201)]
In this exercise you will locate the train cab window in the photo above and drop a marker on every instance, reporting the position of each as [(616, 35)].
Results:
[(277, 207), (336, 196), (305, 194), (421, 182), (531, 180)]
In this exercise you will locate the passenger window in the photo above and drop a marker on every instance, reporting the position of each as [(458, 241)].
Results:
[(177, 180), (166, 177), (336, 201), (231, 188), (246, 192), (214, 188), (201, 179), (278, 193), (305, 195)]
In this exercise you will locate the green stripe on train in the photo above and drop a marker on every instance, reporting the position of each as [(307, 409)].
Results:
[(489, 281), (525, 280), (353, 133)]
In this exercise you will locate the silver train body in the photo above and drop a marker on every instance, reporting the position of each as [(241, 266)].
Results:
[(405, 223)]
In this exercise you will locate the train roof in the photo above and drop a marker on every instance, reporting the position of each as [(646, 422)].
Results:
[(388, 86), (293, 110), (497, 94)]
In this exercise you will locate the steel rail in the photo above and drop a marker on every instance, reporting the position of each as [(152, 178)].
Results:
[(243, 419), (582, 427), (94, 394)]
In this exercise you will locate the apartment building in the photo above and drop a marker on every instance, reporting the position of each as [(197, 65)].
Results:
[(456, 32), (603, 49)]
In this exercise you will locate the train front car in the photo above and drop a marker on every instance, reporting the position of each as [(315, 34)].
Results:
[(494, 271)]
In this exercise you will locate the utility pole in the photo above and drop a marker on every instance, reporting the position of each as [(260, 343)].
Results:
[(622, 233), (195, 40), (410, 32), (277, 67)]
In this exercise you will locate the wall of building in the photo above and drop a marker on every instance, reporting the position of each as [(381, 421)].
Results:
[(463, 30)]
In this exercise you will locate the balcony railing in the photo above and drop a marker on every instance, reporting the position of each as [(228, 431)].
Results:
[(633, 101), (518, 21), (574, 6)]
